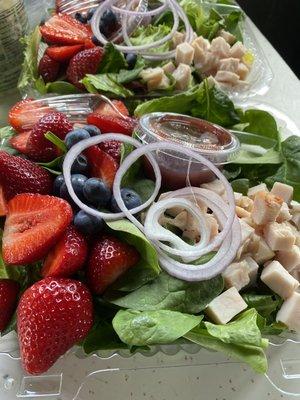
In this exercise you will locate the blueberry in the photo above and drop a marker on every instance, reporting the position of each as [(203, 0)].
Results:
[(130, 198), (80, 165), (77, 181), (91, 13), (88, 224), (131, 60), (96, 192), (43, 21), (58, 181), (76, 136), (92, 130), (81, 18), (108, 23)]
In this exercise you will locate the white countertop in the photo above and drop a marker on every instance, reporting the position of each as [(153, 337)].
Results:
[(209, 381)]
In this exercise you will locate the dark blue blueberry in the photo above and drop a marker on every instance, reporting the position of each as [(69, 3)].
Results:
[(78, 181), (91, 13), (96, 41), (97, 192), (108, 23), (92, 130), (58, 181), (80, 165), (81, 18), (43, 21), (131, 60), (130, 198), (88, 224), (76, 136)]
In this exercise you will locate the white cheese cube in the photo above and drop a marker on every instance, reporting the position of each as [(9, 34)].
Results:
[(283, 191), (220, 48), (226, 306), (290, 259), (284, 214), (289, 313), (229, 64), (296, 220), (236, 275), (279, 236), (227, 77), (184, 54), (169, 68), (238, 50), (231, 39), (152, 74), (264, 253), (182, 76), (266, 208), (201, 43), (177, 39), (242, 71), (279, 280), (215, 186), (252, 269), (262, 187)]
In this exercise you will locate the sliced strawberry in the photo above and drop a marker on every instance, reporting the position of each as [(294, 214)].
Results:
[(109, 259), (106, 109), (113, 148), (53, 315), (84, 62), (3, 203), (24, 114), (109, 123), (89, 44), (48, 68), (63, 53), (19, 142), (9, 291), (102, 165), (33, 225), (67, 256), (65, 30)]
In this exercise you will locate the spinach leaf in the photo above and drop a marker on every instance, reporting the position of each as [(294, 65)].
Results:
[(232, 24), (169, 293), (265, 304), (261, 123), (113, 60), (105, 83), (144, 188), (136, 328), (54, 166), (240, 186), (240, 338), (6, 133), (60, 87)]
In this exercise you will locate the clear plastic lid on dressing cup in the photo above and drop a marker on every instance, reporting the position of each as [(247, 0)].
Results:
[(212, 141)]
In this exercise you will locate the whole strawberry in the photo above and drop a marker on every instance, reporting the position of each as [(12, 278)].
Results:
[(53, 315), (48, 68), (109, 259), (18, 175), (84, 62), (38, 147), (9, 291)]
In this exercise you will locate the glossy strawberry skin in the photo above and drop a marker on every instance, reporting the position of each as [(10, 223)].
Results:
[(3, 203), (63, 53), (18, 175), (109, 259), (48, 68), (107, 109), (102, 165), (9, 291), (112, 148), (33, 225), (38, 147), (84, 62), (19, 141), (110, 123), (67, 256), (53, 315)]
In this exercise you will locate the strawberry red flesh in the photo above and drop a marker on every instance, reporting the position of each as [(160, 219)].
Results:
[(19, 142), (38, 147), (67, 256), (106, 109), (48, 68), (9, 291), (18, 175), (62, 29), (63, 53), (112, 148), (3, 203), (33, 225), (53, 315), (110, 123), (102, 165)]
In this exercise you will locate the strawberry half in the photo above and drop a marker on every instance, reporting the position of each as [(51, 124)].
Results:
[(84, 62), (18, 175), (109, 259), (110, 123), (25, 114), (48, 68), (65, 30), (67, 256), (38, 147), (102, 165), (9, 291), (3, 203), (112, 148), (53, 315), (19, 141), (33, 225), (63, 53), (107, 109)]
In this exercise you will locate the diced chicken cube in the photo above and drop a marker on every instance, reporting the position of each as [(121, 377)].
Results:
[(262, 187), (215, 186), (169, 68), (284, 214), (201, 43), (177, 39), (226, 306), (200, 57), (296, 220), (283, 191), (152, 74), (242, 71), (180, 221), (220, 47), (289, 313), (252, 269), (227, 77), (229, 64), (264, 253), (246, 230), (296, 274), (290, 259), (236, 275), (238, 50), (184, 54), (277, 278), (295, 207), (246, 203), (237, 197), (279, 236), (182, 76), (241, 212), (253, 246), (153, 84), (266, 208), (229, 37)]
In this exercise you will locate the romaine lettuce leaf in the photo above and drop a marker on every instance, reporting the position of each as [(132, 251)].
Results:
[(113, 60), (149, 34)]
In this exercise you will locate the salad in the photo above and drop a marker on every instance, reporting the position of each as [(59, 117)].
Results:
[(96, 252)]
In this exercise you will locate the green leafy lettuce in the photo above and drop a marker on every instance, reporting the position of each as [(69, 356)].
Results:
[(6, 133), (113, 60), (151, 33)]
